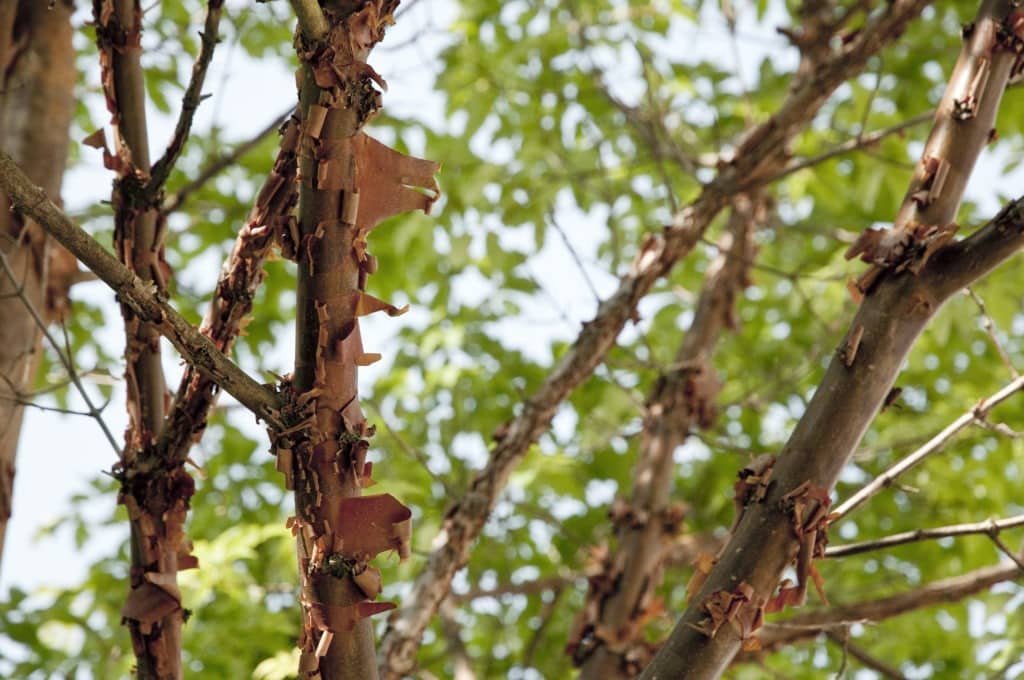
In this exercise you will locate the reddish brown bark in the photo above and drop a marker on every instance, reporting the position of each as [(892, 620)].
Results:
[(156, 491), (37, 79), (232, 300), (608, 640), (348, 183)]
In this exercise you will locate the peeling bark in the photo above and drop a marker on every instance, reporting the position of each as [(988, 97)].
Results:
[(608, 640), (37, 79), (155, 491), (270, 218), (348, 184)]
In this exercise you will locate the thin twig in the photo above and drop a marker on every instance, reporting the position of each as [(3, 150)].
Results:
[(990, 527), (931, 446), (858, 653), (190, 102), (990, 328), (221, 163), (93, 412), (1005, 549), (857, 143), (408, 448), (575, 256)]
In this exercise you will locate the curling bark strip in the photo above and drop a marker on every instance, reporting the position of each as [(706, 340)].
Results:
[(773, 532), (761, 154), (348, 184), (608, 641), (37, 77)]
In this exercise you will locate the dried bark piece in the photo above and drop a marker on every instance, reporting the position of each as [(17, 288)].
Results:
[(722, 606), (284, 465), (149, 603), (370, 582), (370, 525), (702, 565), (391, 183), (367, 304)]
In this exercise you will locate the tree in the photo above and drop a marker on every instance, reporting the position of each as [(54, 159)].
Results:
[(725, 342)]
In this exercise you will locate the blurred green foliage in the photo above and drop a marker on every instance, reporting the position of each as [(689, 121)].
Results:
[(568, 130)]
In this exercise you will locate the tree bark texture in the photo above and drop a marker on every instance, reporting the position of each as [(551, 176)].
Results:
[(348, 183), (608, 642), (156, 496), (36, 106), (787, 518)]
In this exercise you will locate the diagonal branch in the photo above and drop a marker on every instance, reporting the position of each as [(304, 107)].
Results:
[(776, 635), (232, 300), (219, 164), (990, 527), (190, 102), (608, 641), (861, 141), (934, 444), (760, 155), (196, 348)]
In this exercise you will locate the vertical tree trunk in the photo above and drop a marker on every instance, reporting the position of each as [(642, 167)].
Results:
[(36, 106), (348, 183), (156, 495)]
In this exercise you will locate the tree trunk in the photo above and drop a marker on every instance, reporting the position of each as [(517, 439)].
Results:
[(36, 106), (348, 183), (156, 495)]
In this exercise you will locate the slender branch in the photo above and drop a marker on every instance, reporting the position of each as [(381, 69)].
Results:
[(933, 445), (759, 156), (682, 400), (858, 653), (990, 329), (311, 19), (140, 297), (240, 278), (989, 527), (69, 366), (219, 164), (861, 141), (190, 102), (778, 634)]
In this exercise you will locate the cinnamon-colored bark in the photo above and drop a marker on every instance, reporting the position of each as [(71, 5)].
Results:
[(348, 183), (155, 491), (37, 79)]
